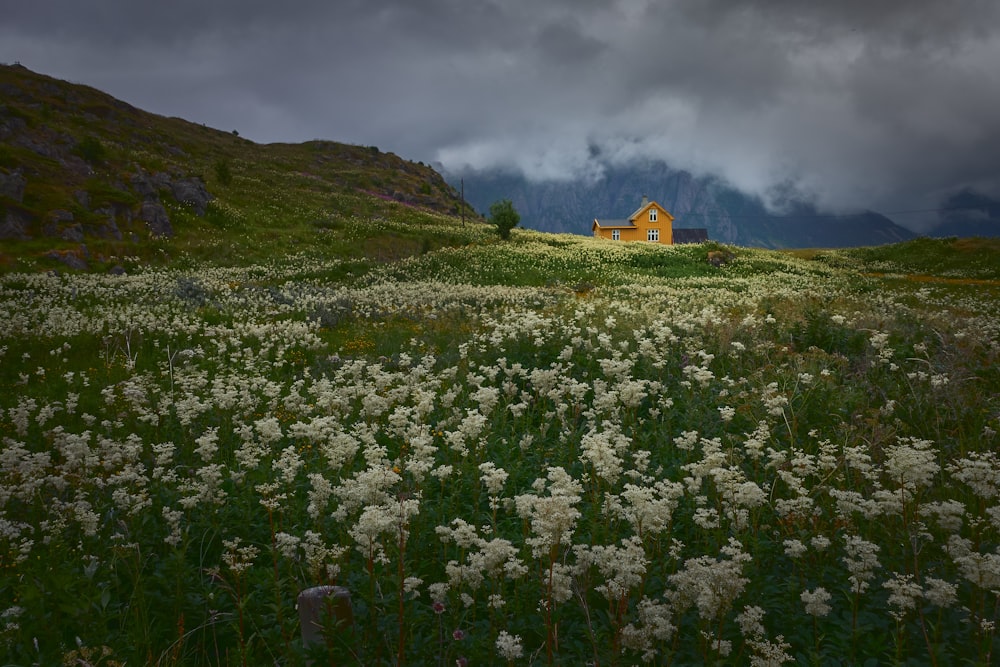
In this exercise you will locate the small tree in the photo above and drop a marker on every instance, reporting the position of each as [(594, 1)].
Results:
[(504, 216)]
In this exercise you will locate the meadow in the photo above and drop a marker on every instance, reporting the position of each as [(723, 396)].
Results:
[(553, 451)]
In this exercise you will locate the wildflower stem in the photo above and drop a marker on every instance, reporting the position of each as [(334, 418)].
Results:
[(277, 583), (549, 639), (239, 610), (402, 592)]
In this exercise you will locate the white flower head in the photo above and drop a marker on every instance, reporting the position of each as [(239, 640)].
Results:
[(816, 601), (509, 646)]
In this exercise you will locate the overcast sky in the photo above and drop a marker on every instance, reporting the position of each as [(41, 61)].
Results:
[(885, 104)]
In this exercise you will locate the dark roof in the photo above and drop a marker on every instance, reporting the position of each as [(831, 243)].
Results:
[(690, 235), (639, 210)]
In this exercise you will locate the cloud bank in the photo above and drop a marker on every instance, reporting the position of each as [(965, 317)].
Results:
[(856, 104)]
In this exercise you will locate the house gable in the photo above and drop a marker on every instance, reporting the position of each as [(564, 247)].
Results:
[(650, 214)]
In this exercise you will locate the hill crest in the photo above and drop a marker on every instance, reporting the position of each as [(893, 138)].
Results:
[(82, 172)]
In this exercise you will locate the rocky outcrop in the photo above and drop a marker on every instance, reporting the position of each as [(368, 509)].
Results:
[(114, 214), (56, 222), (11, 126), (115, 218), (149, 186), (156, 219), (14, 225), (191, 191), (73, 233), (66, 179), (12, 185), (74, 259), (186, 190)]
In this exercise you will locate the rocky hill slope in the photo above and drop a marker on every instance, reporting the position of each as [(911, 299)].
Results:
[(86, 178)]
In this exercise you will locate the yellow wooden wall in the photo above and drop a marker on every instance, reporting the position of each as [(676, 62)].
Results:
[(664, 222)]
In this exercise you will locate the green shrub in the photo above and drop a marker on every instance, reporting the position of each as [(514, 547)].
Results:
[(223, 174), (91, 150)]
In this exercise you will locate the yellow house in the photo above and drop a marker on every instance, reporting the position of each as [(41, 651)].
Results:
[(650, 222)]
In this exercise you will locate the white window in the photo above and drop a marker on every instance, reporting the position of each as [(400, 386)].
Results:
[(652, 215), (616, 235), (652, 234)]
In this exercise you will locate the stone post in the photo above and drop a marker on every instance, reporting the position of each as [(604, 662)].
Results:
[(323, 606)]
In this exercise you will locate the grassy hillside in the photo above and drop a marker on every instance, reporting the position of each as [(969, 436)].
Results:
[(79, 165), (938, 260), (956, 258)]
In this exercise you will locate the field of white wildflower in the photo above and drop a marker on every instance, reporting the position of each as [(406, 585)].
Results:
[(536, 453)]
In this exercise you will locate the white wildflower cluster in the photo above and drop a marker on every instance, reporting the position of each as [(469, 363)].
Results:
[(980, 569), (904, 595), (604, 452), (911, 464), (552, 515), (861, 559), (710, 585), (652, 628), (763, 651), (980, 471), (648, 509), (879, 341), (816, 601), (509, 646), (493, 478), (493, 559), (774, 400), (379, 524), (622, 567), (239, 557), (9, 619), (687, 440)]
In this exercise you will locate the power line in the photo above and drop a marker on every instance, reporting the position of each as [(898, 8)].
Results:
[(932, 210)]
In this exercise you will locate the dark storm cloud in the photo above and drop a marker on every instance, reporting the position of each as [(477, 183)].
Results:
[(858, 103)]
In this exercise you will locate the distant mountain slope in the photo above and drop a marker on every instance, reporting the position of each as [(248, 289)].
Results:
[(85, 176), (729, 215)]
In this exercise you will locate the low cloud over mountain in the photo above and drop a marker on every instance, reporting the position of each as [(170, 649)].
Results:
[(851, 105)]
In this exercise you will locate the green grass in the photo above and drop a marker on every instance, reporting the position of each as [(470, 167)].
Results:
[(964, 259)]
